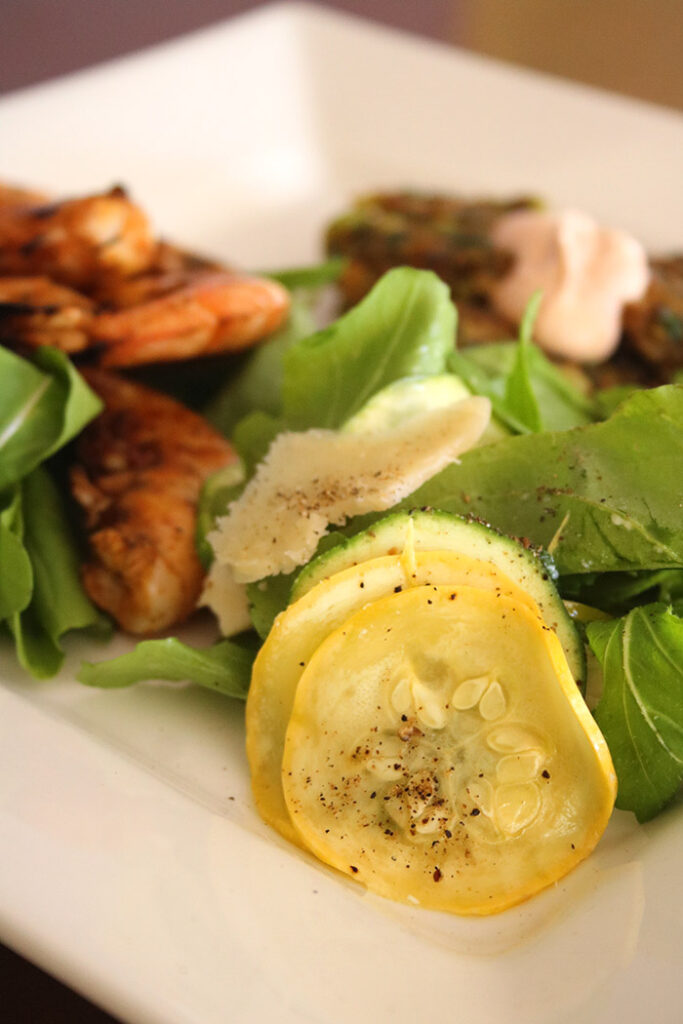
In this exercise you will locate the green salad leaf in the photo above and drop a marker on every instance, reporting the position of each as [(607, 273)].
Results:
[(224, 667), (216, 494), (58, 604), (253, 437), (641, 710), (527, 392), (617, 592), (266, 599), (80, 403), (257, 386), (405, 326), (598, 497), (312, 277), (609, 399), (16, 574), (42, 406), (520, 397)]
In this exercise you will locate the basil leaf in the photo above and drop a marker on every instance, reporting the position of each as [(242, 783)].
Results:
[(641, 710), (224, 667), (598, 497), (405, 326)]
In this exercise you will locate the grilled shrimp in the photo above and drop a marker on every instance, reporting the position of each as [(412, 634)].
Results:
[(140, 467), (189, 315), (77, 241), (90, 276), (35, 311), (213, 312), (171, 268), (12, 196)]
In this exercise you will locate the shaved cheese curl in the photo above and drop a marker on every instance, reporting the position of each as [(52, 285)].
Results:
[(319, 477)]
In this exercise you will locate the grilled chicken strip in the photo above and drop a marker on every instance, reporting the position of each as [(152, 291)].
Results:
[(140, 467)]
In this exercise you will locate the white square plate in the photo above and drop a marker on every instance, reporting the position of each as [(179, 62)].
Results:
[(132, 864)]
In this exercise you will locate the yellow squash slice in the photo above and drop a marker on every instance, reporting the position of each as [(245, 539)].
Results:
[(439, 752), (300, 630)]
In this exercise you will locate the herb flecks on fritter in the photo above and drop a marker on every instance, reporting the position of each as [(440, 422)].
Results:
[(653, 327), (447, 235), (452, 237)]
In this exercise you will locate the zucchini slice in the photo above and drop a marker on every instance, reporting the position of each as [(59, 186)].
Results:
[(440, 753), (444, 531), (303, 626)]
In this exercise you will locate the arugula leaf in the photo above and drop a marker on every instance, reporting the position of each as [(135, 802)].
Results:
[(258, 385), (537, 384), (473, 368), (253, 436), (16, 574), (618, 592), (316, 276), (41, 408), (519, 393), (598, 497), (641, 710), (405, 326), (80, 403), (58, 603), (224, 667), (31, 403), (216, 494), (608, 399), (268, 597)]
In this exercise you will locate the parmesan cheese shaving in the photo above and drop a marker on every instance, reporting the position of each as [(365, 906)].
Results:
[(227, 599), (311, 479)]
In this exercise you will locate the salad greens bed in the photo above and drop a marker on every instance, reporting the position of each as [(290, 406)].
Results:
[(594, 480)]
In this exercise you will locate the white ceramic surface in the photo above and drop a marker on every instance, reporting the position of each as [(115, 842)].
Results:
[(132, 864)]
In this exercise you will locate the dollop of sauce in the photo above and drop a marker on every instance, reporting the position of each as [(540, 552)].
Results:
[(587, 274)]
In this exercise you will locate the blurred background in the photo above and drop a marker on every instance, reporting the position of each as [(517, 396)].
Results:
[(628, 46)]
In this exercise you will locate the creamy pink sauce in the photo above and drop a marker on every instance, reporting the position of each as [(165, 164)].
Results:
[(587, 273)]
